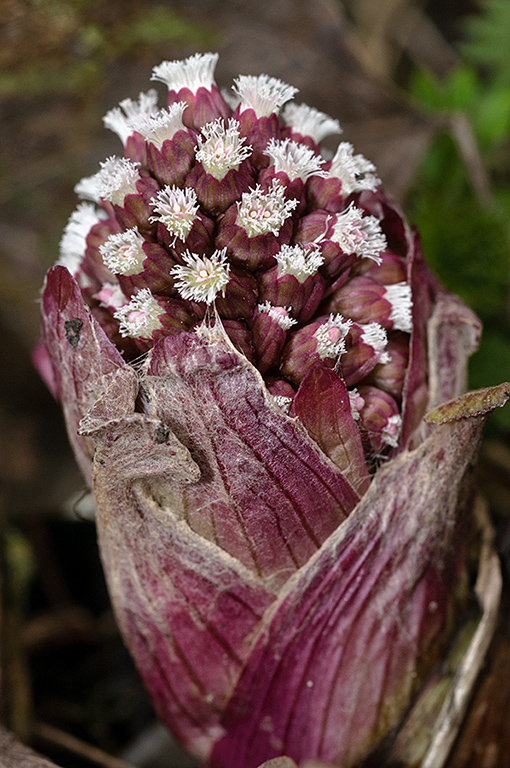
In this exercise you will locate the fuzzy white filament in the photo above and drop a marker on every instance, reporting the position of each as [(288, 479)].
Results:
[(119, 118), (283, 402), (298, 261), (221, 149), (74, 239), (162, 125), (116, 179), (294, 159), (140, 316), (195, 72), (359, 234), (356, 402), (331, 336), (177, 209), (391, 431), (399, 296), (203, 277), (262, 212), (123, 253), (354, 171), (376, 337), (264, 94), (308, 121), (280, 315)]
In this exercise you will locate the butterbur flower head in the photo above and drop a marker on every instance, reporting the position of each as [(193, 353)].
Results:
[(245, 340)]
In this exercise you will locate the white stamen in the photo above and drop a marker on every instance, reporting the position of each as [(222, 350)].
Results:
[(204, 277), (331, 336), (376, 337), (399, 296), (294, 159), (359, 234), (222, 148), (140, 316), (391, 432), (262, 212), (111, 296), (356, 402), (283, 402), (123, 253), (74, 239), (116, 179), (298, 261), (280, 315), (160, 126), (308, 121), (177, 209), (119, 119), (263, 94), (354, 171), (195, 72)]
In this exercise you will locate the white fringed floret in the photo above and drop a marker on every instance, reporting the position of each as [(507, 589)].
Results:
[(308, 121), (116, 179), (162, 125), (123, 253), (264, 94), (221, 149), (280, 315), (376, 337), (140, 316), (204, 277), (356, 402), (391, 432), (400, 298), (296, 160), (298, 261), (195, 72), (119, 118), (359, 234), (262, 212), (331, 336), (354, 171), (177, 209), (74, 239)]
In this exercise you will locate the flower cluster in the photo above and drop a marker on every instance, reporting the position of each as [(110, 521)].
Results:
[(226, 204)]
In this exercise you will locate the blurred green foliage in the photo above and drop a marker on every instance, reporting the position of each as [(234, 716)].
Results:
[(466, 237), (75, 40)]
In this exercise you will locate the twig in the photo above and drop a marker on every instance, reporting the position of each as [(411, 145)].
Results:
[(76, 746), (468, 147)]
